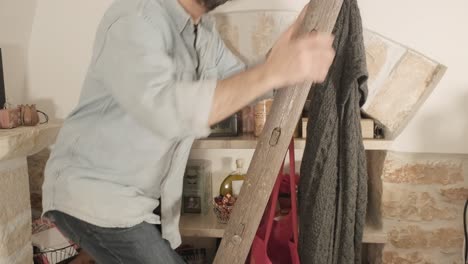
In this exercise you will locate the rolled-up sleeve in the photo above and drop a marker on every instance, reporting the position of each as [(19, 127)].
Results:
[(136, 67)]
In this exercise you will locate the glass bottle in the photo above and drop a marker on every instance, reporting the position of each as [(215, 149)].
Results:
[(233, 182)]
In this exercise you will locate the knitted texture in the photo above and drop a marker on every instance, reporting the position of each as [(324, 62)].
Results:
[(333, 184)]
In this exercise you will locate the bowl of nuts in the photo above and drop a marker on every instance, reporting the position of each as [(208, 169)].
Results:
[(223, 206)]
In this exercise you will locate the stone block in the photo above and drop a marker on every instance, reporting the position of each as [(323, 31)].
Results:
[(421, 171), (445, 239), (22, 256), (396, 257), (393, 256), (14, 195), (15, 209), (455, 194), (15, 235), (414, 77), (24, 259), (404, 204)]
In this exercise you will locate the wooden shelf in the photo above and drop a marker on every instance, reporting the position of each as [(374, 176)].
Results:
[(195, 225), (249, 141)]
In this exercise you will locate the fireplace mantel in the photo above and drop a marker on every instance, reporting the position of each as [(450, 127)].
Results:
[(26, 141)]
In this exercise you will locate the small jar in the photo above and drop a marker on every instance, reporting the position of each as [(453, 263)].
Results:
[(262, 109)]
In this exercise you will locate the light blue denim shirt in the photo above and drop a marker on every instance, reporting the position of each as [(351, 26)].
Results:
[(147, 95)]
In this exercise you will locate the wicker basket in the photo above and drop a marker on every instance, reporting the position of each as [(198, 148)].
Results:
[(55, 256)]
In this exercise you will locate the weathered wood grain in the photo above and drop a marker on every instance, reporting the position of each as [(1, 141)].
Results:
[(272, 145)]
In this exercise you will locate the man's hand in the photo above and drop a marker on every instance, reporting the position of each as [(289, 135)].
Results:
[(295, 60)]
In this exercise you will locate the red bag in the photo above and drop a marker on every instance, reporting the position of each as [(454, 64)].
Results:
[(276, 240)]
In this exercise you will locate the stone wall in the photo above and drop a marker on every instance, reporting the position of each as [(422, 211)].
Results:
[(15, 213), (422, 204), (15, 207)]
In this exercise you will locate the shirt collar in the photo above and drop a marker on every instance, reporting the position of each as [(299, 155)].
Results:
[(182, 18)]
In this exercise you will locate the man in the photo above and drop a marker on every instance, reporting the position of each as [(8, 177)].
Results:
[(159, 77)]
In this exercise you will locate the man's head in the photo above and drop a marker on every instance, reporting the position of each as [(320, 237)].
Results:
[(211, 4)]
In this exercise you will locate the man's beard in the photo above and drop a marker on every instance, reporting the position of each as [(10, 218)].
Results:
[(212, 4)]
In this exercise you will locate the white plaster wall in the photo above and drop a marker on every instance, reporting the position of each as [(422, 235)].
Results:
[(16, 18), (60, 50), (63, 31)]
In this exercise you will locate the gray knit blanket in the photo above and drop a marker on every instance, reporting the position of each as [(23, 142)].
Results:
[(333, 184)]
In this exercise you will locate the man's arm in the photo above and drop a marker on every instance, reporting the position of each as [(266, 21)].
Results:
[(239, 90)]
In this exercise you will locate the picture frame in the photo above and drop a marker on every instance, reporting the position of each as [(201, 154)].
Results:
[(2, 83)]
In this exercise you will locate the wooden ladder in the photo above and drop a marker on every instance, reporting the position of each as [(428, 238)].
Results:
[(271, 149)]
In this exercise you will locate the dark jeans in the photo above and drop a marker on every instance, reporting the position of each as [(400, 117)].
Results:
[(139, 244)]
